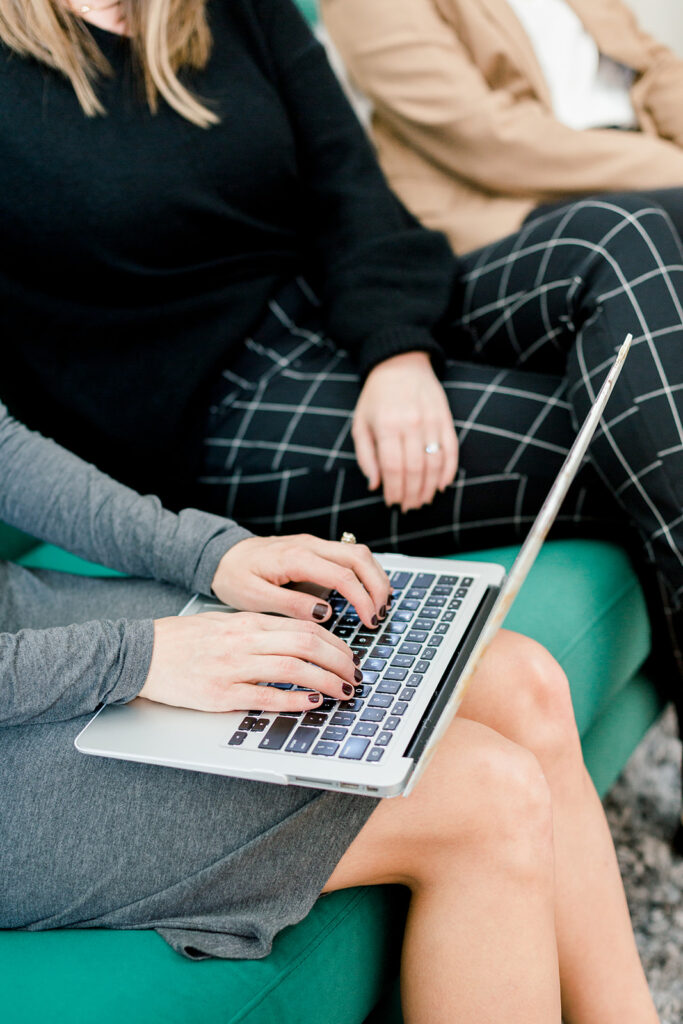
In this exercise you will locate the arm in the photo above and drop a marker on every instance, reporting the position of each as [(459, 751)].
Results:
[(384, 279), (411, 64), (57, 497), (50, 675)]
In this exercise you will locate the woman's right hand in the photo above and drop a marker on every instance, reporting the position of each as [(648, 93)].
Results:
[(213, 662)]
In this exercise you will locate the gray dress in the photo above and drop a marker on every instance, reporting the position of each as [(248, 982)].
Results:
[(217, 866)]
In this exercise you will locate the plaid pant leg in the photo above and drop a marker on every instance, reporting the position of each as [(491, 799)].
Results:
[(559, 296), (279, 456)]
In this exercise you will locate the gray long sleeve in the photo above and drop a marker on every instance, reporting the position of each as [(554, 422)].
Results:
[(55, 496), (69, 668)]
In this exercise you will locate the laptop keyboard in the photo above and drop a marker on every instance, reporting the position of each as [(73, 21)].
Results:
[(394, 660)]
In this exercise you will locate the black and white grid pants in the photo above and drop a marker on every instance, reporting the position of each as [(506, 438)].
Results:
[(536, 320)]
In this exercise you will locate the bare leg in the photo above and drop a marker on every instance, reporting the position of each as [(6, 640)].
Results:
[(474, 844), (601, 975)]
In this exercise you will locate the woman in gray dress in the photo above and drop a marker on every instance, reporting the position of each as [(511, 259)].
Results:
[(517, 909)]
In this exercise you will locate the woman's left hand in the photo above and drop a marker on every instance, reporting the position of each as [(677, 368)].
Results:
[(402, 412), (251, 576)]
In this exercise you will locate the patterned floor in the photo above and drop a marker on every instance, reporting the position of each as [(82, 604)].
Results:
[(642, 810)]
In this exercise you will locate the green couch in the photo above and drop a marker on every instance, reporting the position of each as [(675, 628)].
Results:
[(339, 966)]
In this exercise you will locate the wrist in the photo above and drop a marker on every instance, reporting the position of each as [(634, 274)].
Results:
[(404, 361)]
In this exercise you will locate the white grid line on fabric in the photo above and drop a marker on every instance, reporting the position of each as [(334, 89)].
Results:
[(255, 478), (670, 451), (338, 444), (506, 389), (539, 420), (531, 442), (635, 477), (467, 425), (336, 503)]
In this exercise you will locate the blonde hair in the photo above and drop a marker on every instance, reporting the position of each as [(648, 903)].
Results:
[(167, 35)]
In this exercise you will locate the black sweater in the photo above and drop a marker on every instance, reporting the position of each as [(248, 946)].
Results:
[(139, 250)]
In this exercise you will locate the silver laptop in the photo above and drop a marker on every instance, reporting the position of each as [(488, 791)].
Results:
[(416, 668)]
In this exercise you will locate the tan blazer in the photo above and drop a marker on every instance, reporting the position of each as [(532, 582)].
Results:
[(462, 113)]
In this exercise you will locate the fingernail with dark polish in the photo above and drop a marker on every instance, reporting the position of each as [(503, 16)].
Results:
[(358, 676), (320, 611), (356, 659), (315, 698), (347, 688), (383, 612), (374, 620)]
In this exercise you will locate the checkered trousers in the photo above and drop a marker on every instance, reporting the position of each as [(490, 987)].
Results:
[(535, 320)]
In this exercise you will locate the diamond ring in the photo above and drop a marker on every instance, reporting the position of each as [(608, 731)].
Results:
[(432, 448), (347, 538)]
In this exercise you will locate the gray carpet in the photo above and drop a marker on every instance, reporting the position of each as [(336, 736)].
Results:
[(642, 809)]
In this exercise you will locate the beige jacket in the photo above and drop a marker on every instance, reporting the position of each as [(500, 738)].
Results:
[(462, 112)]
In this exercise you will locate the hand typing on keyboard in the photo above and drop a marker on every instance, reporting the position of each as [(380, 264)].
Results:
[(252, 576), (214, 662)]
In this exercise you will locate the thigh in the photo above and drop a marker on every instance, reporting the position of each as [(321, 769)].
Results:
[(40, 599), (280, 457)]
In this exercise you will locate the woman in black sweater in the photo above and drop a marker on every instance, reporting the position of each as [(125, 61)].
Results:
[(174, 267)]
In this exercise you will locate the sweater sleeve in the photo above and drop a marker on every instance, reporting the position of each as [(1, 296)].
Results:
[(51, 675), (57, 497), (384, 279)]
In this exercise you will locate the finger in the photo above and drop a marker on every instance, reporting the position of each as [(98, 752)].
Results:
[(433, 465), (365, 453), (247, 696), (390, 455), (336, 577), (284, 668), (359, 558), (450, 460), (253, 621), (312, 649), (415, 470)]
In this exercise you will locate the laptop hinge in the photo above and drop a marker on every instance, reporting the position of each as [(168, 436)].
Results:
[(452, 674)]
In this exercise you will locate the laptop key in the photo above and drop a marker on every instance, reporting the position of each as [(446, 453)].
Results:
[(326, 749), (424, 624), (429, 613), (415, 679), (372, 715), (365, 729), (401, 616), (399, 580), (403, 661), (411, 606), (422, 666), (398, 674), (237, 738), (380, 700), (261, 724), (351, 705), (424, 579), (411, 648), (362, 691), (374, 664), (436, 602), (416, 593), (417, 636), (369, 677), (314, 718), (383, 739), (440, 630), (467, 581), (429, 653), (302, 740), (375, 754), (334, 732), (447, 617), (399, 707), (342, 718), (387, 686), (442, 591), (247, 724), (379, 651), (406, 693), (278, 733), (391, 722), (448, 581), (395, 626), (354, 748), (434, 641), (327, 704), (344, 632)]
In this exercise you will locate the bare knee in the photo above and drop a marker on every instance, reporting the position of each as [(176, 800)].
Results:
[(537, 700), (497, 812)]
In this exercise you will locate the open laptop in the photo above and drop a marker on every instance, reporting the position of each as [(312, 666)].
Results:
[(416, 668)]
